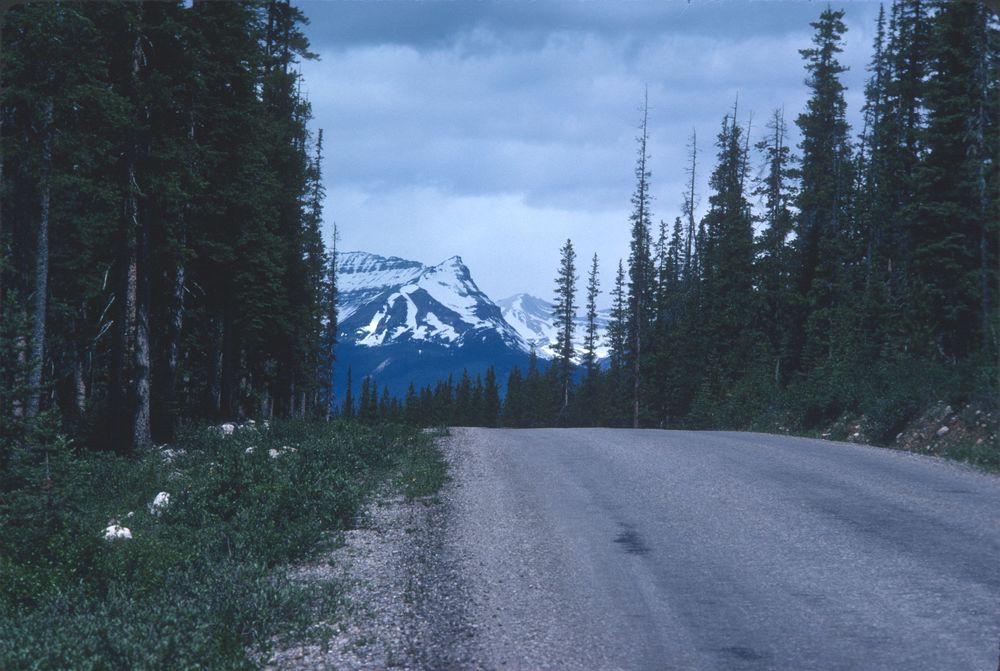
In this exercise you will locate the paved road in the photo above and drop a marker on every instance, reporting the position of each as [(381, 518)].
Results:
[(603, 549)]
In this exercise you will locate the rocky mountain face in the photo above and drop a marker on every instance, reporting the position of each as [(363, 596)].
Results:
[(402, 322), (532, 318)]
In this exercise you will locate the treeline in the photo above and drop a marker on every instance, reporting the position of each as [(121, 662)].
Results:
[(858, 276), (467, 402), (161, 206)]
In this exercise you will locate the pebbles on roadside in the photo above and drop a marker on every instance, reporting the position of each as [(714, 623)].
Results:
[(407, 600)]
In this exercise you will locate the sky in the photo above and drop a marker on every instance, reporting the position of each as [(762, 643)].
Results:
[(497, 130)]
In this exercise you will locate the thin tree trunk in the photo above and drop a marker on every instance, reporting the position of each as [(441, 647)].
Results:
[(41, 267), (214, 381), (138, 222), (176, 323), (230, 364), (174, 327), (982, 154), (79, 382), (141, 435), (3, 193)]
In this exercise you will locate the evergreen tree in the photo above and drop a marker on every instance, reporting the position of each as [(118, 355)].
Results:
[(616, 327), (491, 399), (412, 412), (955, 213), (641, 285), (616, 395), (385, 407), (329, 321), (588, 411), (348, 411), (463, 400), (773, 267), (590, 339), (564, 314), (445, 410), (534, 394), (514, 401), (365, 401), (690, 204), (823, 230)]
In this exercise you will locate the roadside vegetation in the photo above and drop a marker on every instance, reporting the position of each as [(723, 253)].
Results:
[(175, 559)]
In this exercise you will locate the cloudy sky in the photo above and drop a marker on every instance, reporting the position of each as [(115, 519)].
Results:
[(497, 130)]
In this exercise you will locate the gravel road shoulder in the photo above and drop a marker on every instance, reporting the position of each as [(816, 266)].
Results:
[(406, 601)]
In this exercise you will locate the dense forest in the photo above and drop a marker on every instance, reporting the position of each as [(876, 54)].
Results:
[(855, 275), (161, 209)]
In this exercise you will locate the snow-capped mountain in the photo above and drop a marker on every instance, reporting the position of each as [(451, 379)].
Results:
[(391, 300), (402, 321), (532, 318)]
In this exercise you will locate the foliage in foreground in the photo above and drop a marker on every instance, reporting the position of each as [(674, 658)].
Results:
[(197, 583)]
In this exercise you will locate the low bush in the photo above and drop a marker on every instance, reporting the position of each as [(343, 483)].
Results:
[(200, 579)]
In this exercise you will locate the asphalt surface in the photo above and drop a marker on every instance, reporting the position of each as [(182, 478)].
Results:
[(607, 549)]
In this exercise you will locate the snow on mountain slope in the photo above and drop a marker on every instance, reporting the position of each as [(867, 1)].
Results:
[(392, 300), (532, 318), (362, 276)]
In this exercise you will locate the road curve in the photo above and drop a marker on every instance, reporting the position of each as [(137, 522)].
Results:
[(620, 549)]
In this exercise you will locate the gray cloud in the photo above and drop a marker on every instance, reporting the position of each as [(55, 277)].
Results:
[(496, 130)]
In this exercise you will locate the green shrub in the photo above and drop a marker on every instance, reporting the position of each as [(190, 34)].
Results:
[(201, 581)]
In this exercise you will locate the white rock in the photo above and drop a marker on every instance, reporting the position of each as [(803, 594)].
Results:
[(899, 436), (227, 429), (169, 455), (159, 503), (942, 431), (115, 531), (285, 449), (250, 449)]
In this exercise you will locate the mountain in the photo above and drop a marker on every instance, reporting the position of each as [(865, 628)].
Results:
[(402, 321), (532, 318)]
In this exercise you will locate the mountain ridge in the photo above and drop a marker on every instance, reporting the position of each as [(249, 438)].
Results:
[(402, 321)]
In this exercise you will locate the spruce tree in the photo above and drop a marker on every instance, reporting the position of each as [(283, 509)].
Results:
[(491, 399), (564, 314), (823, 230), (616, 327), (590, 339), (773, 268), (514, 401), (616, 394), (641, 286), (463, 413), (955, 209), (348, 411)]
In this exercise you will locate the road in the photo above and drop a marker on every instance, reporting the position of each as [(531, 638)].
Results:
[(620, 549)]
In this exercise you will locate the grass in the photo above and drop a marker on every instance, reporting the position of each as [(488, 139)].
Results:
[(422, 469), (202, 580)]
